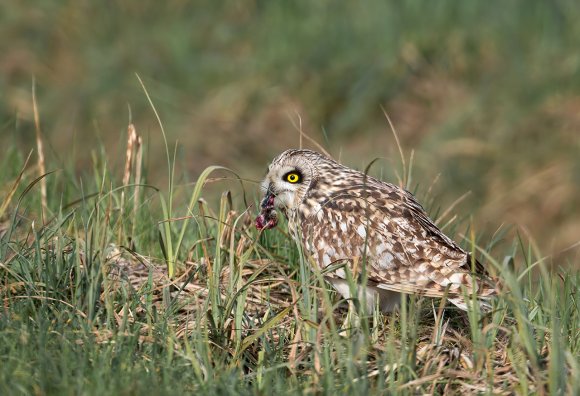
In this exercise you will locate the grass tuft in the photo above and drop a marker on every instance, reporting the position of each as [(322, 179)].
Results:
[(99, 300)]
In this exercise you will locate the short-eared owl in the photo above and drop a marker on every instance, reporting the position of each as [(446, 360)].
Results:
[(340, 215)]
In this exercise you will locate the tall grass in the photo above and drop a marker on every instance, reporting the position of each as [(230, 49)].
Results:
[(243, 312)]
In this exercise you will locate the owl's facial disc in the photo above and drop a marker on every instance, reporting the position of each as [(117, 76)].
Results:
[(281, 187)]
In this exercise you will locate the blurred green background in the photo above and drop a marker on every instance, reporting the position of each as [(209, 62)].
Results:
[(487, 94)]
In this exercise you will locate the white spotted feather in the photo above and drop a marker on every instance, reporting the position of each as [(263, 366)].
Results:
[(339, 214)]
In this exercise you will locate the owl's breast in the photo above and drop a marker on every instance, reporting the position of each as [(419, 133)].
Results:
[(318, 231), (294, 224)]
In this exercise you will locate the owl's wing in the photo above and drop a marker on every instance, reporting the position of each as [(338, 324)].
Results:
[(388, 228)]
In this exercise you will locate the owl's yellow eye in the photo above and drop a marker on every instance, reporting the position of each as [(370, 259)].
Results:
[(292, 177)]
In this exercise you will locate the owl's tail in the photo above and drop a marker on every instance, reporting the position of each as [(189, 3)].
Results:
[(462, 303), (486, 288)]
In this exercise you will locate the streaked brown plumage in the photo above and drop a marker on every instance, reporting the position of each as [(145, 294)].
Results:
[(339, 215)]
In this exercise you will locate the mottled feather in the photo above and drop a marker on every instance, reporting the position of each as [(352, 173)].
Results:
[(342, 215)]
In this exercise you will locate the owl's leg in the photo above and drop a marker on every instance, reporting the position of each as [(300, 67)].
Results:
[(352, 320), (387, 300)]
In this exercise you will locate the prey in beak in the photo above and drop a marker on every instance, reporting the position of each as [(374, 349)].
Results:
[(268, 218)]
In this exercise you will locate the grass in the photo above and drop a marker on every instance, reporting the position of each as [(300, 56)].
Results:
[(94, 303)]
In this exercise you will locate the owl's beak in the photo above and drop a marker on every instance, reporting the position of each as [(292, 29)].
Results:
[(268, 218)]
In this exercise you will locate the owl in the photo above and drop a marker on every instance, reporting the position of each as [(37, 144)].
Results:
[(343, 216)]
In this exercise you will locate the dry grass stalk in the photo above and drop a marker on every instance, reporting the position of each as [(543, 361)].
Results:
[(138, 167), (131, 140), (403, 182), (303, 134), (40, 149), (133, 164), (13, 188)]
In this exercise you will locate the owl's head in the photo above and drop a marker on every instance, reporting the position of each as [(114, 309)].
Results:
[(289, 177)]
